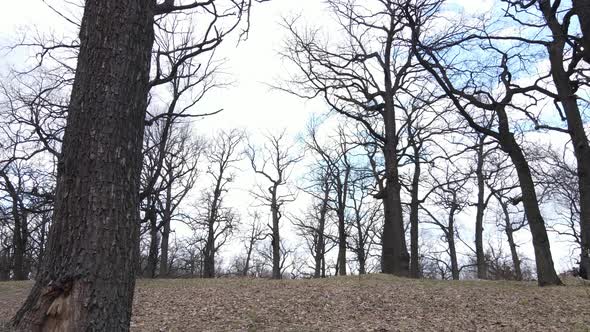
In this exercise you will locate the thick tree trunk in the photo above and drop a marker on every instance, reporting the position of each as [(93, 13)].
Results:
[(394, 253), (19, 244), (567, 96), (545, 268), (479, 252), (575, 124), (152, 260), (88, 275), (209, 255), (582, 9), (4, 266), (164, 248)]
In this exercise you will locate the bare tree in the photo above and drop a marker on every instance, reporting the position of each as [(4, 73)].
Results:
[(470, 97), (365, 77), (84, 284), (274, 161), (218, 220)]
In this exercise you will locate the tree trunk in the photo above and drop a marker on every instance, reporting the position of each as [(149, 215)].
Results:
[(88, 275), (4, 266), (450, 234), (545, 268), (164, 248), (414, 210), (166, 220), (209, 259), (152, 260), (575, 124), (510, 235), (321, 245), (341, 242), (19, 245), (479, 252), (394, 253), (582, 9), (276, 239)]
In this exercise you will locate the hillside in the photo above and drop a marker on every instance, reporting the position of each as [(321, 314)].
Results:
[(371, 303)]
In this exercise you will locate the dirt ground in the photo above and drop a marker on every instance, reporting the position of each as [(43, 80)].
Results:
[(371, 303)]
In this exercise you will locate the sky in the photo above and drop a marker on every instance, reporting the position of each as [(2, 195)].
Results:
[(252, 66)]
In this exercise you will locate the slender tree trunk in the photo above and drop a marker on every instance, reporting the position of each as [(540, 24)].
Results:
[(414, 222), (276, 238), (341, 242), (321, 245), (166, 220), (510, 235), (450, 234), (479, 251), (248, 257), (88, 275)]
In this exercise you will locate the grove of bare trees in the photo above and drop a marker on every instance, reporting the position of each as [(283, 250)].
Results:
[(450, 145)]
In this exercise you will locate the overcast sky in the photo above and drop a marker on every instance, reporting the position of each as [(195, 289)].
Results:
[(249, 103)]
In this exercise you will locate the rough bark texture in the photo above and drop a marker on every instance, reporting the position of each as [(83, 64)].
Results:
[(88, 275)]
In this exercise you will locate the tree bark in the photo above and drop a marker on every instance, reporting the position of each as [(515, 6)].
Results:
[(209, 255), (276, 238), (152, 260), (394, 255), (321, 245), (545, 268), (510, 235), (88, 275), (450, 234), (394, 252), (582, 9), (479, 251), (414, 222), (575, 124), (166, 221), (341, 240)]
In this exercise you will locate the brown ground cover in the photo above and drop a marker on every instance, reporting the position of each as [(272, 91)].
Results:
[(371, 303)]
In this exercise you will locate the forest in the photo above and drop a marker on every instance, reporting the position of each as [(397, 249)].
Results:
[(448, 145)]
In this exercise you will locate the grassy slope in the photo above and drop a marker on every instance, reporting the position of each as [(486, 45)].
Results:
[(371, 303)]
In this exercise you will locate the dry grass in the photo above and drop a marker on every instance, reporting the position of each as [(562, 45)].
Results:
[(371, 303)]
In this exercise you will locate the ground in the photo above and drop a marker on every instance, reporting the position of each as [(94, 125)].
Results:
[(371, 303)]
